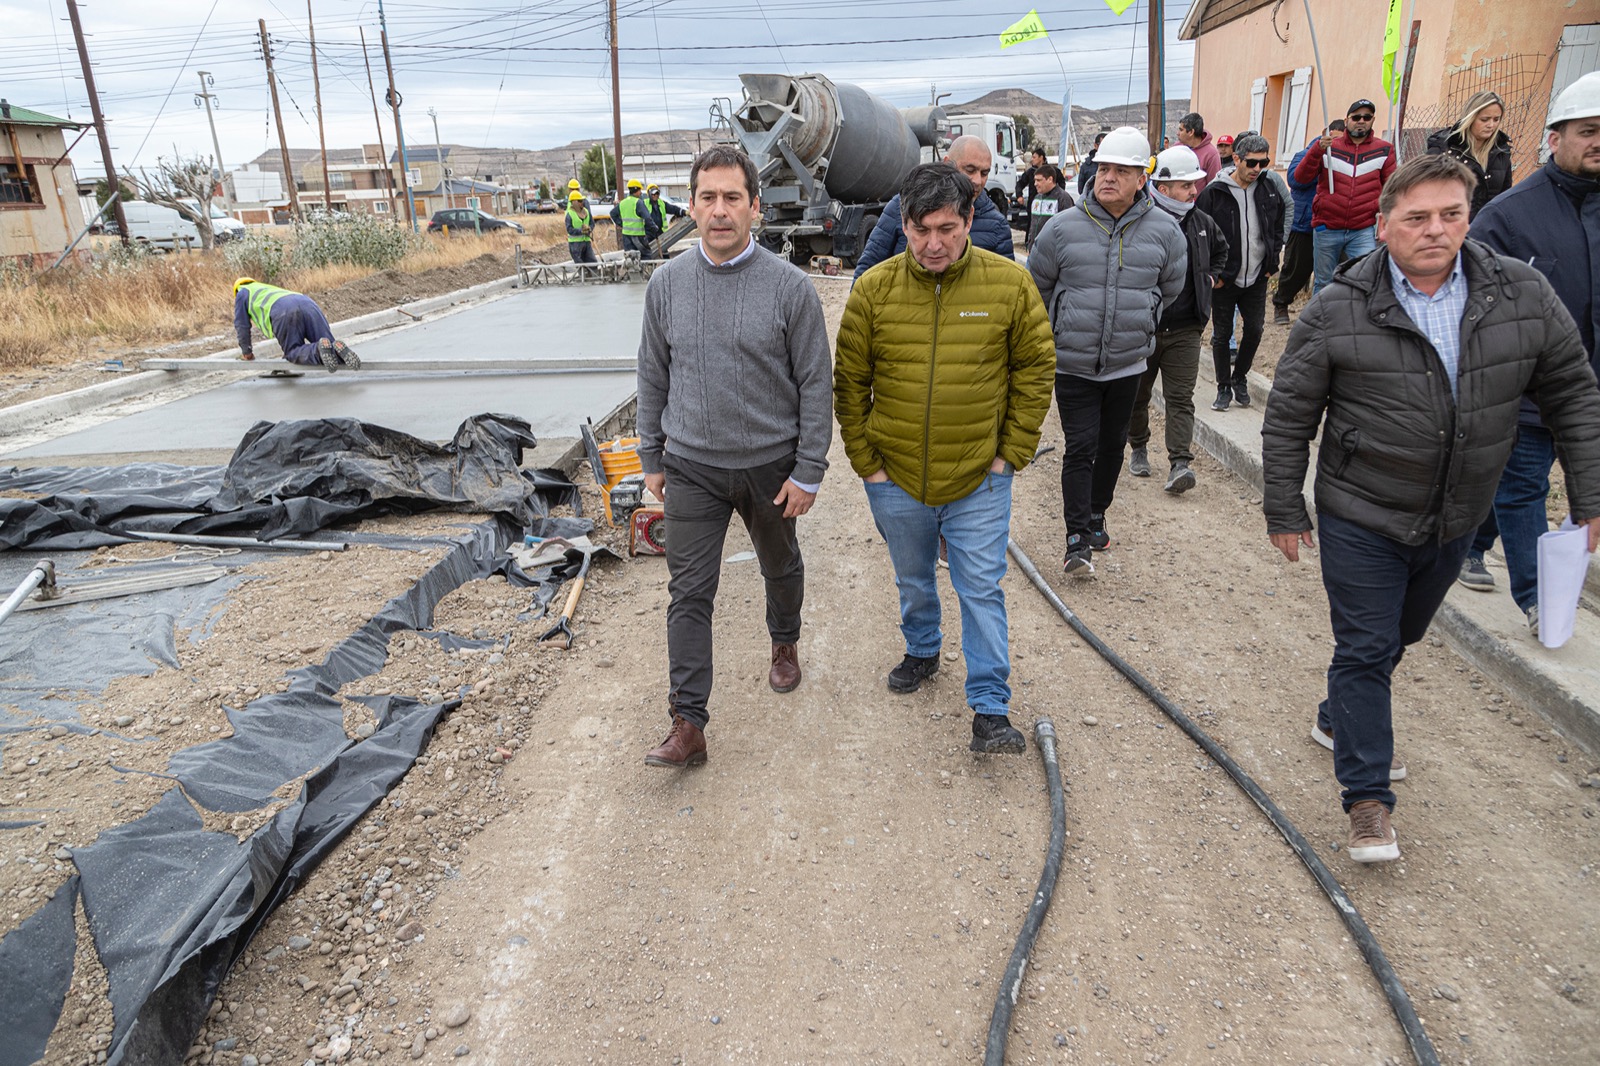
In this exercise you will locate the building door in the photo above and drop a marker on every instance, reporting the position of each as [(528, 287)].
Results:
[(1292, 119)]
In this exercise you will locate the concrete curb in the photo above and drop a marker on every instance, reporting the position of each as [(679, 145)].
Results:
[(31, 415), (1488, 630)]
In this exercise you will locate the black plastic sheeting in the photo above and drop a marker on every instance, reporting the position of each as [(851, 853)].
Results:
[(170, 905), (287, 478)]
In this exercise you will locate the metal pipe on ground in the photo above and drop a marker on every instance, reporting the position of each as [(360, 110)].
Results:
[(43, 574), (1399, 1002), (236, 542)]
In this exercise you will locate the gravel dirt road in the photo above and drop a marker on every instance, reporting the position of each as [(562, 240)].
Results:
[(843, 880)]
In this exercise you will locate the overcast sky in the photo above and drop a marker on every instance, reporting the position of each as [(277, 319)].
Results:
[(536, 74)]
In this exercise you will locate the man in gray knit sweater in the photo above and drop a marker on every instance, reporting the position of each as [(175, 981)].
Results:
[(735, 416)]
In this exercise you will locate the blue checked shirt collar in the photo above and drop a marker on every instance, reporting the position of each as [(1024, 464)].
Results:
[(1438, 317)]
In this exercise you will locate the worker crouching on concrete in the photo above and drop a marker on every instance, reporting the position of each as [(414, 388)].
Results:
[(735, 416), (293, 320), (945, 363), (1413, 363)]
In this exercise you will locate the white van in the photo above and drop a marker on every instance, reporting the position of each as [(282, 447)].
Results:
[(224, 227), (159, 227)]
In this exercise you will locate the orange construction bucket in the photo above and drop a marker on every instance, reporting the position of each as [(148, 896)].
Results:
[(619, 458)]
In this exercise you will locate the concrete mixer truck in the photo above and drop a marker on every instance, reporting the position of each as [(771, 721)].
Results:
[(830, 154)]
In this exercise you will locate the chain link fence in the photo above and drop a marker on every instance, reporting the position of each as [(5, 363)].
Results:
[(1520, 82)]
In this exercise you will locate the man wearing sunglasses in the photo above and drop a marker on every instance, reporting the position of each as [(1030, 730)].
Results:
[(1248, 209), (1349, 172)]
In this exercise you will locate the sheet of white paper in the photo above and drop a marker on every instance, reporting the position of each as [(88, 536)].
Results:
[(1563, 564)]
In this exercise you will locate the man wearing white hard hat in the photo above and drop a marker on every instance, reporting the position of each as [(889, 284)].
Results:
[(1174, 185), (1551, 220), (1107, 269)]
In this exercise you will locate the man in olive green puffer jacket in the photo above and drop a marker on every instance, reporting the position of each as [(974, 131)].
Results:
[(942, 380)]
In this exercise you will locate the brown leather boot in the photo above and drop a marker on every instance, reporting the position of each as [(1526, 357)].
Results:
[(685, 746), (785, 675)]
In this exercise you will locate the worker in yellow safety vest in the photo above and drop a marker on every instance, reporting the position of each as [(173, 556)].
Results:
[(629, 216), (293, 320), (580, 229), (656, 213)]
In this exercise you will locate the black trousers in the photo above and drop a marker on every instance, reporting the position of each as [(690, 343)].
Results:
[(1299, 263), (700, 501), (1251, 304), (1094, 425)]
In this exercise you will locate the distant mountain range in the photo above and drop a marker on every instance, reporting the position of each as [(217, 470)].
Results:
[(525, 166)]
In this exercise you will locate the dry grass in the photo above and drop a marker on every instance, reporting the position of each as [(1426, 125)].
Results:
[(124, 301)]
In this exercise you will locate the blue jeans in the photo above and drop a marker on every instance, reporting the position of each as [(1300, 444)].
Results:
[(297, 325), (1330, 247), (1519, 509), (974, 528), (1381, 596)]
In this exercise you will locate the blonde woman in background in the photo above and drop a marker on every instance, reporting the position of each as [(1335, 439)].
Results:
[(1478, 142)]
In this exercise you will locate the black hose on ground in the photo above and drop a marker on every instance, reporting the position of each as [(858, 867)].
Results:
[(1421, 1047), (1044, 735)]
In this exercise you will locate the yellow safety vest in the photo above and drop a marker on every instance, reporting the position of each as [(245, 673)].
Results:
[(632, 220), (579, 221), (262, 297)]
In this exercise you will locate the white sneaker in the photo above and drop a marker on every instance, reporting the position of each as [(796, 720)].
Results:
[(1397, 770)]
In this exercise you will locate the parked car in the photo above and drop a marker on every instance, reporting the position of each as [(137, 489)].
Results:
[(470, 220), (159, 227)]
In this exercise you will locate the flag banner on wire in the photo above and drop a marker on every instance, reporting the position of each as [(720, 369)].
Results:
[(1391, 51), (1029, 28), (1119, 6)]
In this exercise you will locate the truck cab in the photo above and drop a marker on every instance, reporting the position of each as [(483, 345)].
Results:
[(999, 133)]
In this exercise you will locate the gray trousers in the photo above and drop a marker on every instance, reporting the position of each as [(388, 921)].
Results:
[(700, 501), (1177, 360)]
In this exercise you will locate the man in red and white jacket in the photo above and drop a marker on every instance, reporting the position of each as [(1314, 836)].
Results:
[(1349, 172)]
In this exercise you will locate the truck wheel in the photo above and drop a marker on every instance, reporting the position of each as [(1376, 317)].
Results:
[(1000, 201)]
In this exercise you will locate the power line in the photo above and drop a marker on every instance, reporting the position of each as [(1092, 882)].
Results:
[(183, 67)]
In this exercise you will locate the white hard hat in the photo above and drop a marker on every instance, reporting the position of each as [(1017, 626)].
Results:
[(1177, 163), (1124, 145), (1581, 99)]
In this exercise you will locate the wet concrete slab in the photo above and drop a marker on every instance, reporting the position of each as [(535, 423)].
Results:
[(585, 321), (591, 321)]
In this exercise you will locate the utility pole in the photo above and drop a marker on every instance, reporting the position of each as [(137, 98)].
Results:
[(216, 146), (438, 155), (316, 87), (616, 100), (283, 141), (112, 183), (1157, 104), (399, 133), (383, 152)]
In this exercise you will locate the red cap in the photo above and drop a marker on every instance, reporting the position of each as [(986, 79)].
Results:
[(1226, 138)]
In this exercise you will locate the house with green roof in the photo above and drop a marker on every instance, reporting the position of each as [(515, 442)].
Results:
[(39, 212)]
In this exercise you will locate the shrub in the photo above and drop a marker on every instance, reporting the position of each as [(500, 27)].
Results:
[(360, 240), (258, 255)]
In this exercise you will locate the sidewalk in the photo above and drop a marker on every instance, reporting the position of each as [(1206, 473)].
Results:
[(1486, 629)]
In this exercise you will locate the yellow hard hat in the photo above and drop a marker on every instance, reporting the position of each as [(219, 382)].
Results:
[(653, 188), (573, 184), (574, 196), (240, 283), (635, 183)]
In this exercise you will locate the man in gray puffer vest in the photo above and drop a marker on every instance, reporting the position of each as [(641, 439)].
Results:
[(1106, 269), (1416, 356)]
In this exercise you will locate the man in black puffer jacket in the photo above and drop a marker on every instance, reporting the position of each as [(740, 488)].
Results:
[(1418, 355), (1177, 355), (990, 229)]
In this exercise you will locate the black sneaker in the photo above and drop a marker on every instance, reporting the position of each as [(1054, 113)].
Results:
[(1079, 556), (329, 357), (1224, 398), (1280, 316), (912, 672), (1241, 395), (1475, 575), (1099, 539), (347, 355), (1182, 479), (1139, 463), (994, 733)]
